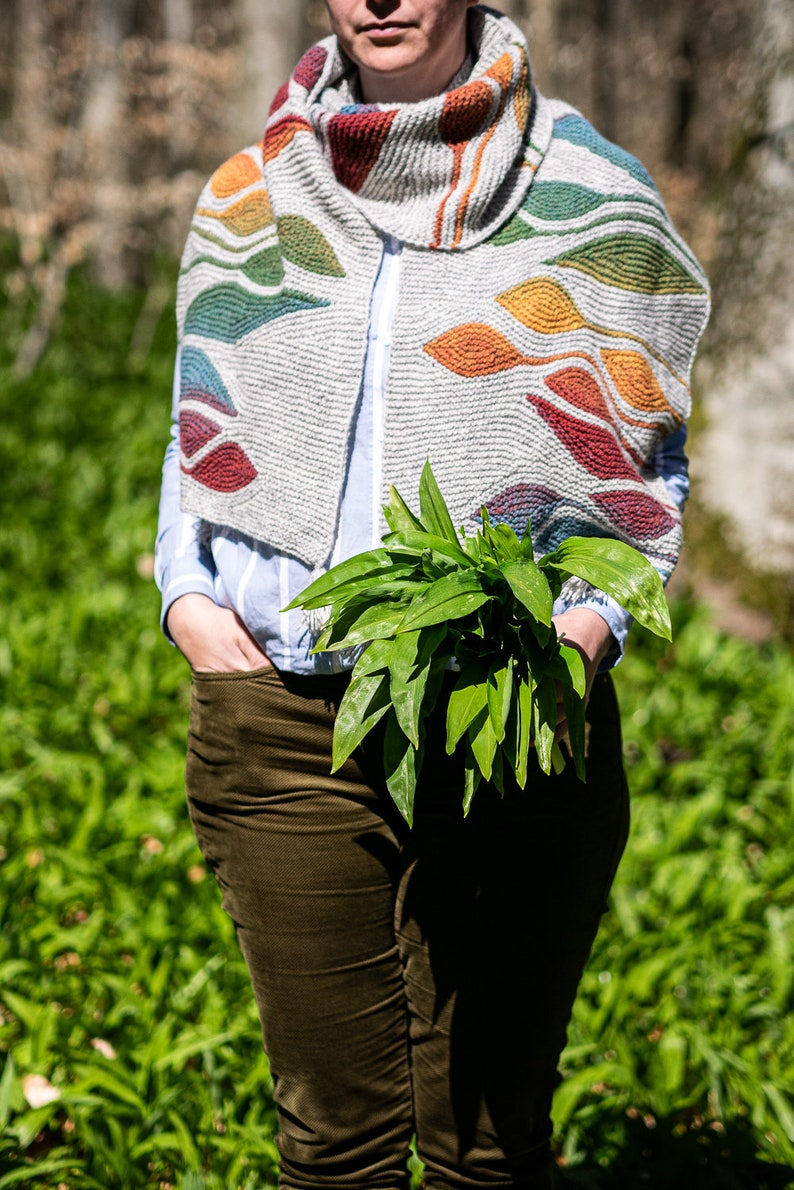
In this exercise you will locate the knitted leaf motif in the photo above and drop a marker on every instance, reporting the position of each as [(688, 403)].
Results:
[(199, 381), (579, 388), (594, 447), (633, 377), (235, 174), (465, 111), (553, 201), (502, 70), (523, 99), (280, 134), (227, 312), (511, 232), (305, 245), (243, 218), (355, 140), (195, 431), (265, 267), (310, 67), (542, 305), (636, 513), (225, 469), (631, 261), (577, 131), (556, 516), (474, 349)]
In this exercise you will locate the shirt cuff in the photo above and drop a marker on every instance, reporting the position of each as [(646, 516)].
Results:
[(195, 582)]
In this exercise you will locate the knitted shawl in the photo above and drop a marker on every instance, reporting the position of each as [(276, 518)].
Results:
[(546, 323)]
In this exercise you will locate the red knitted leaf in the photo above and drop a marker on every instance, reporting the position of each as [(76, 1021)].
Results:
[(310, 67), (594, 447), (225, 469), (279, 99), (195, 431), (581, 389), (355, 140), (636, 513)]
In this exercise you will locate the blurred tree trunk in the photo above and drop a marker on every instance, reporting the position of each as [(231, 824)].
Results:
[(272, 38), (106, 158), (746, 456)]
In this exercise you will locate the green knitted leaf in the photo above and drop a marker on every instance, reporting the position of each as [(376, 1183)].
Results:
[(509, 233), (265, 268), (305, 245), (630, 261), (228, 312)]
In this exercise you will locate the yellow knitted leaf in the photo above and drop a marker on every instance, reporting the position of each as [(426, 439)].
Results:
[(235, 174), (243, 218), (542, 305), (634, 379)]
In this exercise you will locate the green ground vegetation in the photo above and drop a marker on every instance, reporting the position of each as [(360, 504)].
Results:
[(129, 1043)]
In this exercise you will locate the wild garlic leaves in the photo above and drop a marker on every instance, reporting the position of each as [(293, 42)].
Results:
[(430, 595)]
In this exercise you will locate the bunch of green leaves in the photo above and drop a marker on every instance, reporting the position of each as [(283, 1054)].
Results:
[(431, 595)]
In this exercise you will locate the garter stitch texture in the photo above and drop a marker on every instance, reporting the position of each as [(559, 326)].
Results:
[(546, 325)]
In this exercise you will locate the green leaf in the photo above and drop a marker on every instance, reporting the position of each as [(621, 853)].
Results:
[(574, 668), (376, 656), (530, 587), (355, 568), (411, 657), (499, 688), (544, 720), (471, 780), (360, 623), (620, 571), (482, 740), (448, 598), (363, 704), (420, 541), (379, 585), (434, 511), (525, 690), (468, 697), (401, 762), (398, 515)]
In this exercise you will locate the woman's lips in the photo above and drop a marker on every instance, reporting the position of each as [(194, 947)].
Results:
[(392, 29)]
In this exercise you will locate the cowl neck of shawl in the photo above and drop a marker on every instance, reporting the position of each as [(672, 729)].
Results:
[(443, 173)]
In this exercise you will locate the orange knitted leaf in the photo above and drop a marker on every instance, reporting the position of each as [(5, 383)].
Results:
[(465, 111), (634, 379), (502, 71), (522, 99), (474, 349), (235, 174), (279, 135), (243, 218), (543, 306)]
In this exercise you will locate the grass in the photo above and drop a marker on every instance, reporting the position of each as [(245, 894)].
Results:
[(120, 983)]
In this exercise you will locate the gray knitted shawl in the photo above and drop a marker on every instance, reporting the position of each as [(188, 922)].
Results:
[(547, 318)]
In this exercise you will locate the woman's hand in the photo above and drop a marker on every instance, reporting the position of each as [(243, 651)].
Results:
[(587, 632), (213, 639)]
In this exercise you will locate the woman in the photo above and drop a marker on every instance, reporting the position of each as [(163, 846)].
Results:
[(424, 258)]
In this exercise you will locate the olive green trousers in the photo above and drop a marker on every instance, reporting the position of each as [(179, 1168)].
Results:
[(409, 982)]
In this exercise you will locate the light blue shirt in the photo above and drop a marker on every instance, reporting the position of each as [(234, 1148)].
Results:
[(256, 581)]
